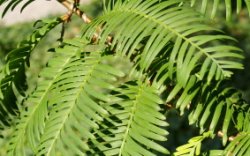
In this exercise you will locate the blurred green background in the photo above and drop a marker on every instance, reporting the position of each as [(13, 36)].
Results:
[(180, 131)]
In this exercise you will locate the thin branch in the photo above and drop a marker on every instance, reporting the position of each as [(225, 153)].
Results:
[(73, 9)]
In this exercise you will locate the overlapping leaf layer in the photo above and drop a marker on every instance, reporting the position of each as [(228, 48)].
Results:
[(84, 106)]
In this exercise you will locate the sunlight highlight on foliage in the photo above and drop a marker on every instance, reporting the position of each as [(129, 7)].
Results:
[(85, 104)]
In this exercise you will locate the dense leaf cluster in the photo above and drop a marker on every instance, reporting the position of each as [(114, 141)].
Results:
[(83, 105)]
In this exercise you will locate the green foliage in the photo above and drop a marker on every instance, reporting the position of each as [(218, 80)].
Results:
[(193, 147), (229, 5), (10, 39), (13, 82), (84, 105)]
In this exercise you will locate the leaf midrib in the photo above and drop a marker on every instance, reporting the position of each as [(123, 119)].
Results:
[(41, 99), (130, 119), (85, 80)]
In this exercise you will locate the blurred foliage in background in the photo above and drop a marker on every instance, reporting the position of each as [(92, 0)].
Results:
[(11, 35), (239, 28)]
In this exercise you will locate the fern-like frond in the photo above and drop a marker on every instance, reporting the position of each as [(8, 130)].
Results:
[(13, 83), (240, 145), (74, 107), (212, 108), (229, 5), (241, 142), (144, 30), (215, 107), (135, 124), (31, 124), (193, 147), (156, 24)]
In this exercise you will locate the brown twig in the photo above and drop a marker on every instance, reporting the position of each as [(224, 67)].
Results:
[(221, 134), (73, 9)]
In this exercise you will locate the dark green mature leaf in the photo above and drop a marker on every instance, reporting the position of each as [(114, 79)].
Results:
[(75, 112), (193, 61), (211, 107), (240, 145), (77, 109), (156, 24), (32, 119), (13, 83), (134, 125), (135, 20)]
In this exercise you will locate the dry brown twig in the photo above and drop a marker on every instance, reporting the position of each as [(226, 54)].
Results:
[(72, 7)]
